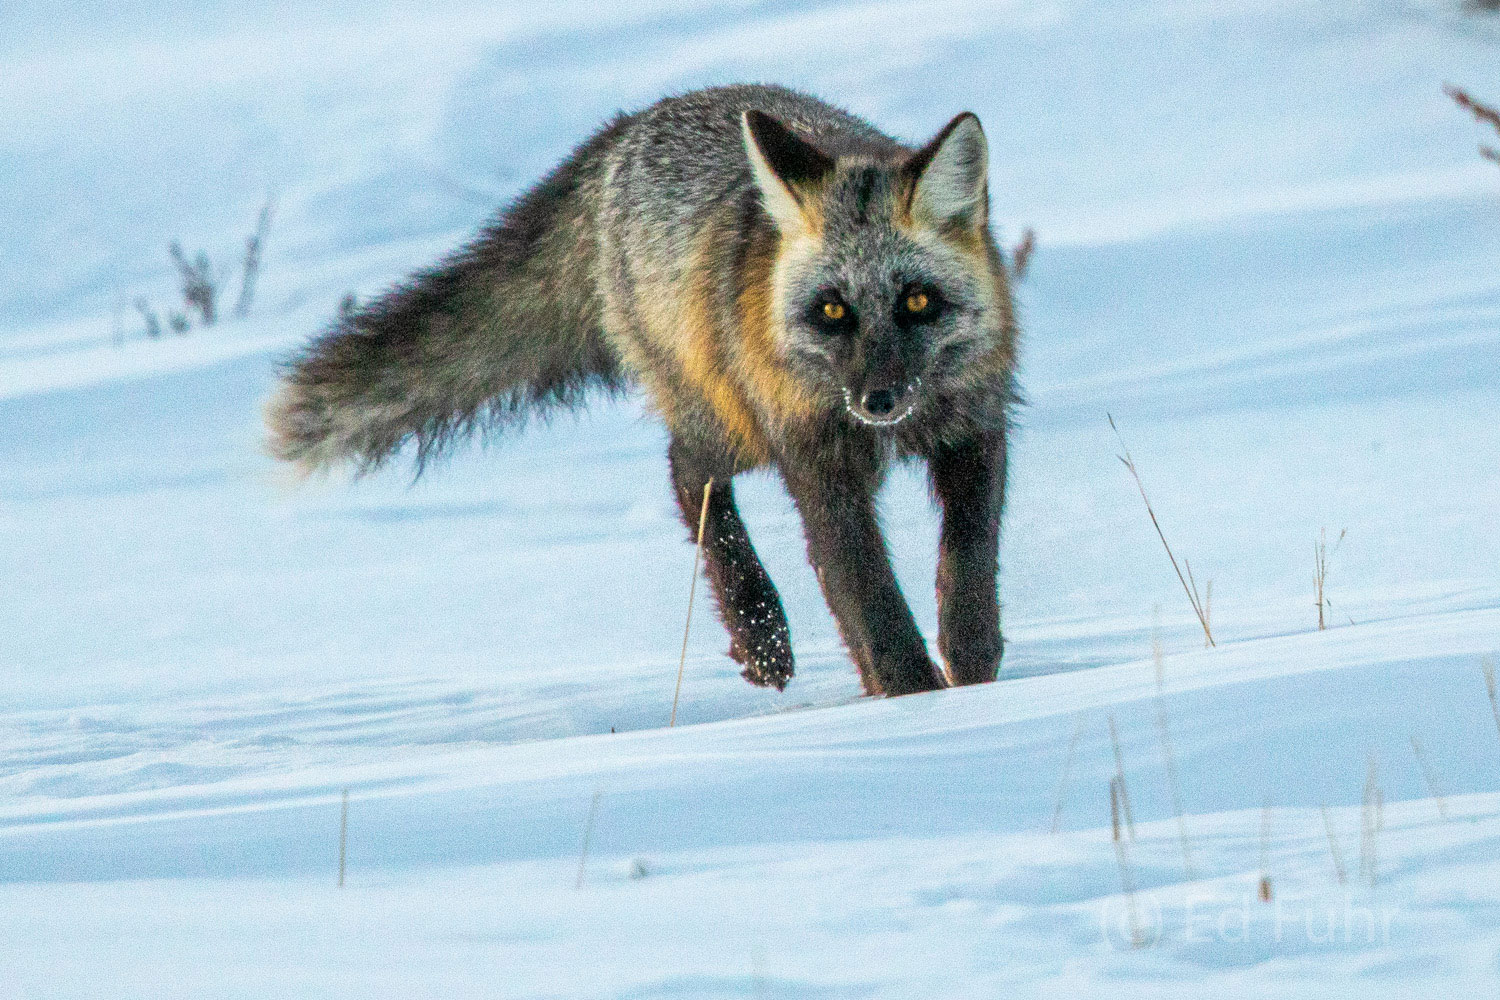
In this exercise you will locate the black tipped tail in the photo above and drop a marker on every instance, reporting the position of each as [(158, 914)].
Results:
[(424, 365), (505, 327)]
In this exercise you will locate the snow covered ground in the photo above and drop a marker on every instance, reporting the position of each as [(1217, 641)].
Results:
[(1267, 247)]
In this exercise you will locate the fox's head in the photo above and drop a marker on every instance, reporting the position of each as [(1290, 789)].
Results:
[(886, 277)]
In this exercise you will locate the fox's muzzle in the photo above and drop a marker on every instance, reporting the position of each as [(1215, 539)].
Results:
[(884, 406)]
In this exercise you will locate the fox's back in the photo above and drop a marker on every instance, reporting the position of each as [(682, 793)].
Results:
[(684, 156)]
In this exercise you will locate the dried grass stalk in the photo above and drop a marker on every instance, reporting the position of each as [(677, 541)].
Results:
[(1191, 591), (692, 592)]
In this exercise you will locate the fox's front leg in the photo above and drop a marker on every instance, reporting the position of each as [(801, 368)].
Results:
[(846, 548), (748, 603), (969, 481)]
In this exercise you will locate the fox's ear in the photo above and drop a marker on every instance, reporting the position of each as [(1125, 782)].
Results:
[(784, 167), (949, 176)]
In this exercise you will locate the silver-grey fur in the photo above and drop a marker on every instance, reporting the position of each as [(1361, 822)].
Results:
[(687, 249)]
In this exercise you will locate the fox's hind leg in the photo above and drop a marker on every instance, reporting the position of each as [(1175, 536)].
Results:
[(748, 603)]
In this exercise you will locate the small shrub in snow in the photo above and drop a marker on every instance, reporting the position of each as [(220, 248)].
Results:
[(200, 289), (153, 321), (1020, 257), (1485, 113), (202, 284)]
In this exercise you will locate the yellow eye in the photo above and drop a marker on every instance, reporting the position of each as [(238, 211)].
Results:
[(833, 310), (916, 302)]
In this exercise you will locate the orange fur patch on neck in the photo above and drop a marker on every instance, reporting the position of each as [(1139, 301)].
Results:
[(778, 392), (733, 358), (706, 364)]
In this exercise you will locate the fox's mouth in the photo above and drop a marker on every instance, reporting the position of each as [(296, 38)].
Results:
[(891, 417)]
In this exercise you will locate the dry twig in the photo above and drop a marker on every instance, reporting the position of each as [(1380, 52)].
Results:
[(1482, 112), (1321, 552), (1488, 666), (1334, 849), (588, 836), (1191, 591), (1265, 852), (1169, 761), (199, 289), (1062, 782), (1429, 776), (1371, 822), (153, 321), (1122, 857), (1020, 257), (692, 592), (255, 246), (1114, 738)]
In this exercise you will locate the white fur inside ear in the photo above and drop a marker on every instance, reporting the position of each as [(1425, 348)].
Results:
[(774, 194), (952, 187)]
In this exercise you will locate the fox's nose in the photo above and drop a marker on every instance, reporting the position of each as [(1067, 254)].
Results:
[(878, 402)]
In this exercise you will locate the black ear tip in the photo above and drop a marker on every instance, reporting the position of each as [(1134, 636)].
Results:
[(762, 124), (964, 118)]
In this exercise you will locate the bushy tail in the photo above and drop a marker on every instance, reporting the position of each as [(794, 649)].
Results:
[(506, 326)]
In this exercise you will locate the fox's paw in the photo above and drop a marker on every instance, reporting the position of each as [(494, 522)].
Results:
[(971, 654), (767, 663), (906, 672)]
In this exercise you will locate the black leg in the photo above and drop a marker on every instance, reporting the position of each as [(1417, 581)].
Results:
[(748, 603), (837, 503), (969, 482)]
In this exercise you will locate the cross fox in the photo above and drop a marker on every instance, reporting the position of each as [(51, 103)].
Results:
[(790, 287)]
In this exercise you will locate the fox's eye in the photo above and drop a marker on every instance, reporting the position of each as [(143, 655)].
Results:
[(830, 313), (919, 303)]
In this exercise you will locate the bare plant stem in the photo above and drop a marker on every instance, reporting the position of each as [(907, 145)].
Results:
[(1488, 666), (255, 247), (1372, 819), (1208, 608), (199, 288), (1122, 858), (1020, 257), (1334, 849), (1320, 563), (1265, 852), (1114, 738), (692, 592), (1067, 771), (153, 321), (1481, 111), (1321, 552), (1169, 757), (1169, 762), (1429, 776), (588, 835), (1192, 593)]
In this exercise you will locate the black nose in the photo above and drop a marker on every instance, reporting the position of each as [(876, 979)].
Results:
[(880, 402)]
